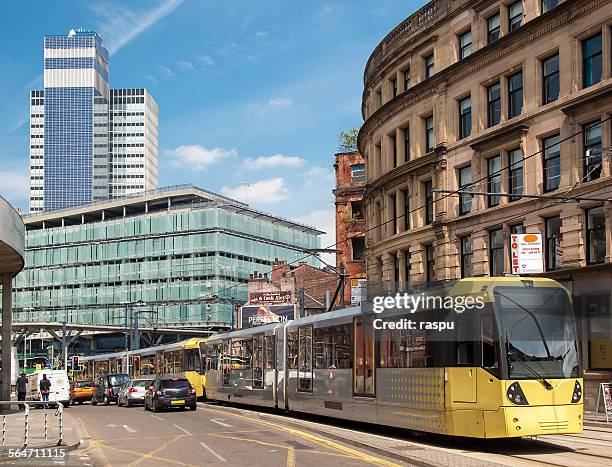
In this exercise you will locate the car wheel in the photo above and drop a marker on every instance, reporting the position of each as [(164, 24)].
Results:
[(127, 404), (106, 400), (66, 404), (193, 408), (94, 401), (80, 402)]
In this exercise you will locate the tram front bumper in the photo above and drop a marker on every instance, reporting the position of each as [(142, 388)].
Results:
[(534, 420)]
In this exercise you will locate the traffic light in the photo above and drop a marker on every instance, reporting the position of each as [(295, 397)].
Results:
[(75, 363)]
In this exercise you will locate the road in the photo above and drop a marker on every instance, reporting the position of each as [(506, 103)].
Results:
[(222, 435)]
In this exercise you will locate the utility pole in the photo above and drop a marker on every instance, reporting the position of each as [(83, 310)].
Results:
[(126, 345), (64, 346), (301, 302)]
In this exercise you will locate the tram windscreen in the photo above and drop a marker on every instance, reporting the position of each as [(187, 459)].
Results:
[(538, 326)]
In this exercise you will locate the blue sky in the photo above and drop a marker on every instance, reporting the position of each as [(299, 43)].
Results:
[(253, 92)]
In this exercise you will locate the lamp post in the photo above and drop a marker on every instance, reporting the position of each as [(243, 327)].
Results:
[(128, 308), (214, 298)]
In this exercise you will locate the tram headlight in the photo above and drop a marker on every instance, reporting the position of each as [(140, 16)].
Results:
[(516, 395), (577, 395)]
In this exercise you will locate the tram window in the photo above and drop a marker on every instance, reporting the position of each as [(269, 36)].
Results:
[(305, 358), (269, 353), (292, 350), (226, 363), (364, 358), (258, 361), (401, 349), (242, 353), (333, 347), (489, 353), (212, 354), (191, 360), (465, 338)]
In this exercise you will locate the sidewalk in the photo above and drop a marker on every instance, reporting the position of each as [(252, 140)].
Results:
[(589, 420)]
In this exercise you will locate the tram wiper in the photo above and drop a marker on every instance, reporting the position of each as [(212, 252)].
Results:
[(539, 377)]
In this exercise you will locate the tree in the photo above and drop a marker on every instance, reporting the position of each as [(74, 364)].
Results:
[(347, 140)]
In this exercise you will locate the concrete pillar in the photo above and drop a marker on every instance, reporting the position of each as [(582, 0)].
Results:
[(7, 338), (401, 259), (387, 272)]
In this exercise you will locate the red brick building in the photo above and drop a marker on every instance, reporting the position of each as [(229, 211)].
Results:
[(350, 218)]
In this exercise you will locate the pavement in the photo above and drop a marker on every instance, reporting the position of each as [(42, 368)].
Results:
[(233, 435)]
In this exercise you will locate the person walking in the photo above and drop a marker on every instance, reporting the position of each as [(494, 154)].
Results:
[(45, 389), (21, 388)]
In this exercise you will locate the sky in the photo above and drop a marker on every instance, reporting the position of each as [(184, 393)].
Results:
[(251, 95)]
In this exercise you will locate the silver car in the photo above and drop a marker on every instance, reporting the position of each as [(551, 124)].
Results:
[(133, 392)]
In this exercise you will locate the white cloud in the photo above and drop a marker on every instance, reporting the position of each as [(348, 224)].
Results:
[(18, 124), (15, 185), (152, 78), (261, 34), (327, 9), (269, 162), (206, 60), (120, 24), (318, 174), (267, 191), (167, 71), (196, 157), (185, 65), (325, 220), (279, 102)]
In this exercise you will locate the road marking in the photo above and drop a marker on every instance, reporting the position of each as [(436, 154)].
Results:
[(159, 418), (315, 439), (150, 455), (291, 456), (129, 429), (183, 430), (94, 444), (219, 421), (209, 449)]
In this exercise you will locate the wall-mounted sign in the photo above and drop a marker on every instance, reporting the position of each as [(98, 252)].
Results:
[(258, 315), (358, 291), (256, 298), (526, 253)]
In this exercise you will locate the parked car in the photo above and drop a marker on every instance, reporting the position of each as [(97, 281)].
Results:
[(168, 392), (60, 387), (133, 392), (81, 391), (107, 388)]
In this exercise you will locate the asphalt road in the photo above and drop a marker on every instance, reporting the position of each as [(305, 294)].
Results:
[(212, 435)]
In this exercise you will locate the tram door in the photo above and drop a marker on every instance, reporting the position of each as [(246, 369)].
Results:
[(364, 372)]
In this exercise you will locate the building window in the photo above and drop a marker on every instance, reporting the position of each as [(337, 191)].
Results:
[(465, 182), (552, 163), (393, 202), (406, 144), (550, 79), (493, 28), (493, 104), (596, 235), (406, 195), (516, 229), (496, 252), (429, 66), (465, 117), (407, 271), (548, 5), (394, 87), (429, 134), (515, 174), (591, 61), (465, 44), (515, 15), (494, 180), (358, 248), (466, 256), (591, 136), (515, 94), (552, 231), (430, 264), (393, 144), (407, 79), (428, 185), (358, 173)]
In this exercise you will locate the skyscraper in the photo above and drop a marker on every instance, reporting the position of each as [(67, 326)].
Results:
[(73, 156)]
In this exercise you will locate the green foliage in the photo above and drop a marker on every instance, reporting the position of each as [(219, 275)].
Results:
[(347, 140)]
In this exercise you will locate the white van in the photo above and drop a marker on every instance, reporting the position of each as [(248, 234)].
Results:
[(60, 386)]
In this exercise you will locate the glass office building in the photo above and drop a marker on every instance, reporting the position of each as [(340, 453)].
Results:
[(87, 142), (171, 248)]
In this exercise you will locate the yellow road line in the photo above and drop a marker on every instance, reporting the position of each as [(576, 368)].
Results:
[(291, 457), (94, 443), (127, 451), (150, 454), (315, 439)]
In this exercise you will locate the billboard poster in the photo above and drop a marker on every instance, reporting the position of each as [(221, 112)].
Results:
[(526, 253), (358, 291), (256, 298), (258, 315)]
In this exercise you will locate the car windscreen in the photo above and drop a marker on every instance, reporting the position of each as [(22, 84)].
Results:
[(175, 383), (118, 380), (84, 384), (145, 383)]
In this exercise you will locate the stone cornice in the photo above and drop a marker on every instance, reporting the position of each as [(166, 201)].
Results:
[(492, 53)]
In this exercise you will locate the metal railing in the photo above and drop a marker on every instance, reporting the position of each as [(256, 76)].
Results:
[(24, 427)]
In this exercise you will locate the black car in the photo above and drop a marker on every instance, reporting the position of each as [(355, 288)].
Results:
[(107, 388), (170, 392)]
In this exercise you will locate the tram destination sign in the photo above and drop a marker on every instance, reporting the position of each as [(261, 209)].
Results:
[(526, 253), (258, 315), (256, 298)]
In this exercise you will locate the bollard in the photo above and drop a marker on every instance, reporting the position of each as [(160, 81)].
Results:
[(46, 426), (4, 430), (60, 411), (27, 426)]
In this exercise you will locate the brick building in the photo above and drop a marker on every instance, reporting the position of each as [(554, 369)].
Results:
[(285, 284), (350, 218)]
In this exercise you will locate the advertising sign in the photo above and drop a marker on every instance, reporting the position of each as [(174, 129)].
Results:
[(358, 291), (256, 298), (526, 253), (257, 315)]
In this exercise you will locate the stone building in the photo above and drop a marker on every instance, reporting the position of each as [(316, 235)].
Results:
[(350, 219), (505, 97)]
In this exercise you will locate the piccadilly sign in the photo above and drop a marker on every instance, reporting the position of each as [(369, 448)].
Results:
[(526, 253)]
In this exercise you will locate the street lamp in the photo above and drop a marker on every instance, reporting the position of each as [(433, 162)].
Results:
[(128, 306), (214, 298)]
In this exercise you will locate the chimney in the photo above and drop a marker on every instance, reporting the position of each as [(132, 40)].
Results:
[(279, 269)]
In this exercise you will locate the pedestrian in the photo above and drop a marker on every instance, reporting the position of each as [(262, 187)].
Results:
[(22, 387), (45, 388)]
